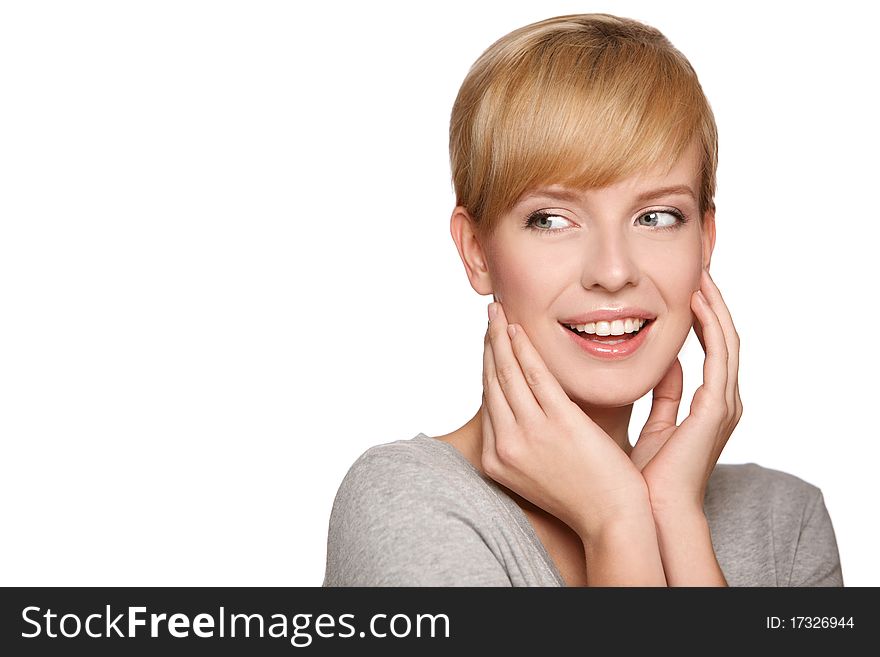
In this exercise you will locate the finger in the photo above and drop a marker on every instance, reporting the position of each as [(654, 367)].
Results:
[(544, 386), (488, 447), (738, 401), (498, 410), (666, 399), (698, 330), (715, 364), (716, 302), (508, 372)]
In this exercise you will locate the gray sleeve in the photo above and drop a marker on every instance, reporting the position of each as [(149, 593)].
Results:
[(395, 522), (817, 560)]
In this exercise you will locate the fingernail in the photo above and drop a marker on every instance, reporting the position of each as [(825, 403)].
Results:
[(493, 311), (701, 297), (511, 330)]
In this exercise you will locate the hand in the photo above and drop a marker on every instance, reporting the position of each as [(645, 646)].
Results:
[(541, 445), (677, 461)]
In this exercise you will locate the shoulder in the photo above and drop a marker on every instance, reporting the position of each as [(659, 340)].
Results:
[(747, 497), (404, 515), (750, 483), (770, 527), (397, 471)]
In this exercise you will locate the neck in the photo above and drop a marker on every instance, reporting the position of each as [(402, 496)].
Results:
[(613, 421)]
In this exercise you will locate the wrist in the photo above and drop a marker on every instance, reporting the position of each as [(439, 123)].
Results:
[(675, 504), (635, 519), (686, 548), (624, 552), (690, 512), (673, 524)]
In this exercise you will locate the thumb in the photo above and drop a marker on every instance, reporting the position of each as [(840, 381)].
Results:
[(662, 419), (666, 398)]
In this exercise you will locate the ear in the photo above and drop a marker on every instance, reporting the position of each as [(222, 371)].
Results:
[(471, 252), (708, 237)]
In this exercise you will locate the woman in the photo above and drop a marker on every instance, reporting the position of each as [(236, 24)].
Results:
[(583, 157)]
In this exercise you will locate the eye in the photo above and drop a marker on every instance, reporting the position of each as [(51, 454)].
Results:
[(538, 221), (655, 217), (542, 221)]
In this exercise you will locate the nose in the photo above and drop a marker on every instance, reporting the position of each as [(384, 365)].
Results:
[(609, 262)]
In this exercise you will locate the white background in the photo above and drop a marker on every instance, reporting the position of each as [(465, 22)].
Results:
[(226, 267)]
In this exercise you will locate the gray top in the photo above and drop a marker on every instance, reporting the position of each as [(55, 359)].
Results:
[(416, 512)]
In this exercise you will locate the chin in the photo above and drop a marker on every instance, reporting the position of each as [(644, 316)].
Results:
[(607, 397)]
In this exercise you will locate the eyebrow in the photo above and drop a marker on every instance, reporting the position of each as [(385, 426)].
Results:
[(572, 196)]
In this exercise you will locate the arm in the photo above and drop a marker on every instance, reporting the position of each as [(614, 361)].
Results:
[(624, 553), (541, 445), (677, 461), (686, 549)]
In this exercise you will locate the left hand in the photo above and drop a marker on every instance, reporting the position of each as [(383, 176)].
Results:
[(677, 461)]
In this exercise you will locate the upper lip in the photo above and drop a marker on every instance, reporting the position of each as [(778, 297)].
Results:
[(608, 315)]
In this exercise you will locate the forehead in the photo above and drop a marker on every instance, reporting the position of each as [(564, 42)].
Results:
[(682, 178), (643, 195)]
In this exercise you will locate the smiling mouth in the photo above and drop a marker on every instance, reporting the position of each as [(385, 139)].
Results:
[(609, 339)]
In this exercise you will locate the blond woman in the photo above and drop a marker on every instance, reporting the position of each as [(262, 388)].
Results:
[(584, 157)]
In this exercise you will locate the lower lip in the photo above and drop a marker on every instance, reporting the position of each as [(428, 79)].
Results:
[(611, 351)]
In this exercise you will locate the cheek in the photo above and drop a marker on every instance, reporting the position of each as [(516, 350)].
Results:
[(677, 284), (526, 280), (679, 276), (681, 287)]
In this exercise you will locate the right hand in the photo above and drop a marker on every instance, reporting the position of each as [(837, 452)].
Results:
[(541, 445)]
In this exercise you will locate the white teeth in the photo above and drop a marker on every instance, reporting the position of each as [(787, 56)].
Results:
[(617, 327)]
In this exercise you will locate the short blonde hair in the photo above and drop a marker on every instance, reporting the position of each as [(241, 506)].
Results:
[(582, 100)]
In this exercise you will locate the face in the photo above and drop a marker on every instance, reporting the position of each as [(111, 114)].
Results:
[(560, 253)]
